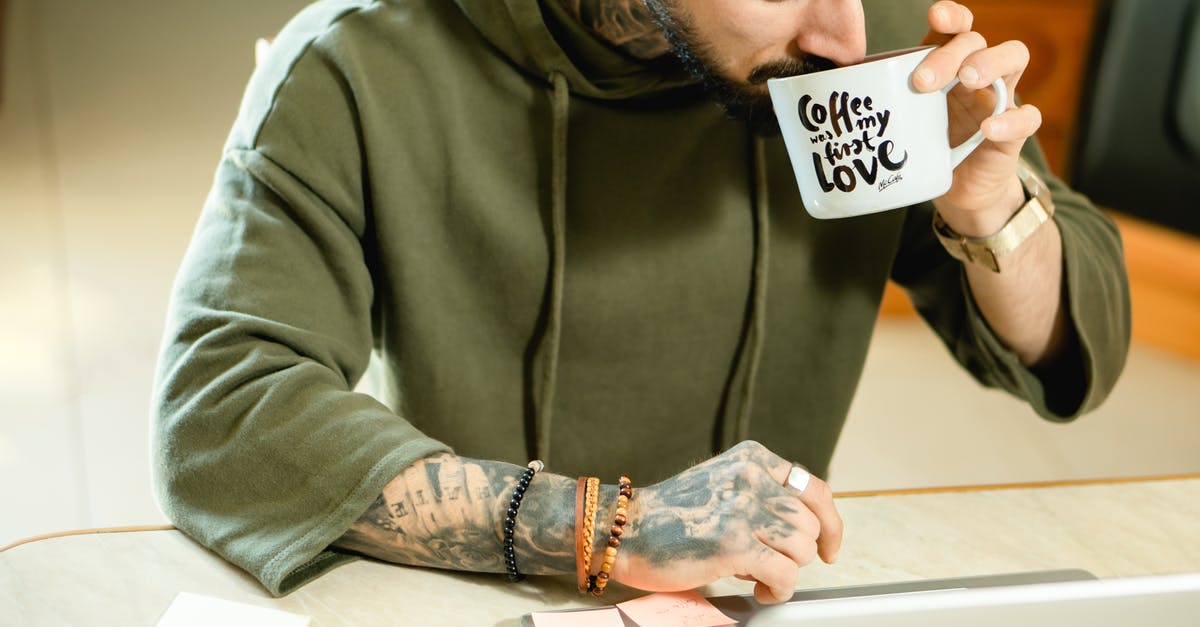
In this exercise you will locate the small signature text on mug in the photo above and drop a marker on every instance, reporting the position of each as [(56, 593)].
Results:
[(850, 132)]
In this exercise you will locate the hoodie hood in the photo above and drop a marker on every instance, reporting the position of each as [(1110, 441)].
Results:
[(541, 38)]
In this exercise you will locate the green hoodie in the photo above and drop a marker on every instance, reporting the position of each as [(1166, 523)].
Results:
[(555, 251)]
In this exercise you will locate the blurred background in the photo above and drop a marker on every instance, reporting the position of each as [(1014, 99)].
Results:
[(112, 116)]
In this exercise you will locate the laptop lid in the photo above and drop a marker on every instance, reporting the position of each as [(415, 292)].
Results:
[(1162, 601)]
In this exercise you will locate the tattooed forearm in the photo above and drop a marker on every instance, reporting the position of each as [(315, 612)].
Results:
[(448, 512), (626, 24)]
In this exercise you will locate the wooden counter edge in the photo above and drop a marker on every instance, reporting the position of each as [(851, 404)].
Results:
[(840, 495), (84, 532), (1016, 486)]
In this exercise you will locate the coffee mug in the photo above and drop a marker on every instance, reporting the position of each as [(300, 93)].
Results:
[(863, 140)]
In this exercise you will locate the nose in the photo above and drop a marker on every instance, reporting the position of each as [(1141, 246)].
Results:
[(834, 29)]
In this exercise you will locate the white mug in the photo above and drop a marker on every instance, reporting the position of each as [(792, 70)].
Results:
[(862, 139)]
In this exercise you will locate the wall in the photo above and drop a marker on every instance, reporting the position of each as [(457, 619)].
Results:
[(112, 122)]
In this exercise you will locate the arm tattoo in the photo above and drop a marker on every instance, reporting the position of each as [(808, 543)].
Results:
[(626, 24), (448, 512)]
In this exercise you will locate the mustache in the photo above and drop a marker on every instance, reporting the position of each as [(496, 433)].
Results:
[(784, 68)]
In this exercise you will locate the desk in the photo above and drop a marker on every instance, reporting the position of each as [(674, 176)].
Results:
[(1112, 529)]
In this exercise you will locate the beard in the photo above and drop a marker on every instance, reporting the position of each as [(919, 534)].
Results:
[(747, 101)]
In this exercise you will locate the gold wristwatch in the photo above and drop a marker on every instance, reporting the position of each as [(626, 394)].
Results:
[(988, 251)]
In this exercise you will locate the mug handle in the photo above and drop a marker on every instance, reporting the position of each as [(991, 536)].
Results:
[(960, 152)]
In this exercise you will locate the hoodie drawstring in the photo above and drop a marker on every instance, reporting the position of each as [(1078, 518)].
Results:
[(758, 315), (548, 348), (547, 354)]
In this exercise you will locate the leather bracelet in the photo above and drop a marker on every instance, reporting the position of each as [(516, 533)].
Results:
[(580, 494), (591, 502)]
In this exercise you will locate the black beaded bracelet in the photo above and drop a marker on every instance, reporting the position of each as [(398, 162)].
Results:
[(510, 519)]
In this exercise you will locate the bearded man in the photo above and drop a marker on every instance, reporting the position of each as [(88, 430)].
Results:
[(558, 248)]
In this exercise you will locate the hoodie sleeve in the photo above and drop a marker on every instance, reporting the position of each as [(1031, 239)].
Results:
[(1097, 296), (262, 450)]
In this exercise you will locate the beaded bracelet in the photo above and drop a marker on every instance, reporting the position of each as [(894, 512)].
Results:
[(590, 504), (614, 538), (510, 519)]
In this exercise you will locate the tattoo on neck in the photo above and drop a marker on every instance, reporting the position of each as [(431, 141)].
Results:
[(626, 24)]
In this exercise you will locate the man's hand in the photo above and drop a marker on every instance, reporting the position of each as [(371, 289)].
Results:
[(986, 191), (728, 516), (1023, 305)]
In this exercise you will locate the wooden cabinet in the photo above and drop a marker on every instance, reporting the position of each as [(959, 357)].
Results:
[(1059, 35)]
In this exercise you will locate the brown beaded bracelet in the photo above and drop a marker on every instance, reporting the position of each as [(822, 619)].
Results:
[(625, 487), (591, 500)]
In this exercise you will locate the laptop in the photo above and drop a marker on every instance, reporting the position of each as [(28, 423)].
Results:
[(743, 608), (1158, 601)]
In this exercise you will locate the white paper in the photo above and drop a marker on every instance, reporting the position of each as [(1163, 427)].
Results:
[(195, 610)]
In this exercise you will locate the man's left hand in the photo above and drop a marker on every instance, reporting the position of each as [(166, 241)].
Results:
[(986, 191)]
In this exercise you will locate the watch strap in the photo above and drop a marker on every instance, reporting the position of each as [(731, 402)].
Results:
[(989, 251)]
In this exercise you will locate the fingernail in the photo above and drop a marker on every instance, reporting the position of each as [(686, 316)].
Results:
[(968, 75), (925, 77)]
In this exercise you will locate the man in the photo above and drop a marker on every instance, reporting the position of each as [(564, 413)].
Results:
[(560, 249)]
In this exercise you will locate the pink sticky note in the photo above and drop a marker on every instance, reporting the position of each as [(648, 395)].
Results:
[(674, 609), (607, 617)]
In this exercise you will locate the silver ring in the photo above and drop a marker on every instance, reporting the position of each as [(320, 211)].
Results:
[(798, 479)]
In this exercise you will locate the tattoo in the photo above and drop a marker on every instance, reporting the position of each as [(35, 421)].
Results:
[(626, 24), (448, 512), (719, 507)]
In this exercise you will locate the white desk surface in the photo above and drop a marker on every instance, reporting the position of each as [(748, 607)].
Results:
[(1113, 529)]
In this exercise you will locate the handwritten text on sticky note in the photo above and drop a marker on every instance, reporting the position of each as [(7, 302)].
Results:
[(674, 609)]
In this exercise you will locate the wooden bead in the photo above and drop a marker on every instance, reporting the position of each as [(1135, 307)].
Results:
[(605, 569), (616, 531), (620, 519), (610, 551), (614, 541)]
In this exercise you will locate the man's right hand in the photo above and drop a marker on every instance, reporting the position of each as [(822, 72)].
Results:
[(728, 516)]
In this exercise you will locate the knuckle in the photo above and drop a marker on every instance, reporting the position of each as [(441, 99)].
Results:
[(836, 527), (746, 447), (1034, 113), (1020, 49), (819, 489), (808, 555), (967, 15), (811, 528), (740, 469), (742, 502), (975, 40)]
